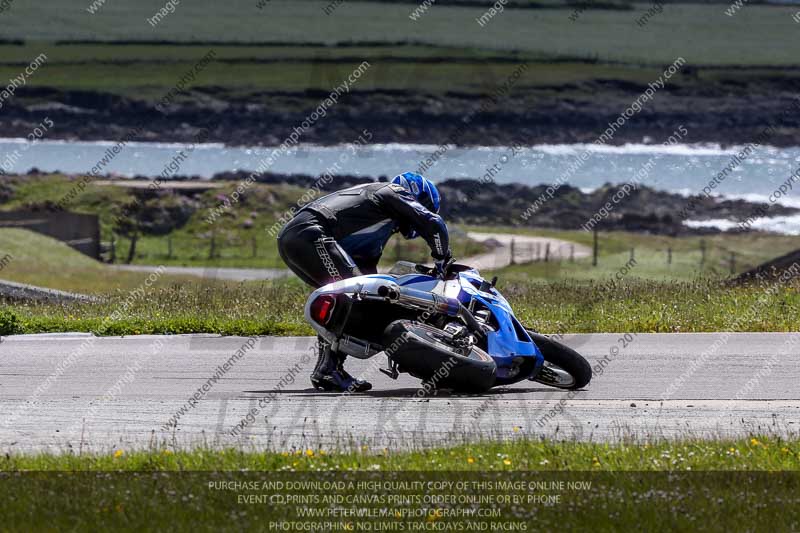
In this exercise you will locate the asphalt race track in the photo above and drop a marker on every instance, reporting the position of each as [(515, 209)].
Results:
[(78, 392)]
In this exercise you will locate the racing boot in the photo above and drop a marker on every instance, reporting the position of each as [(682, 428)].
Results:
[(329, 374), (356, 385)]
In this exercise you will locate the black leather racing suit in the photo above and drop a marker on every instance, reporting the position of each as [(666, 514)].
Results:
[(343, 234)]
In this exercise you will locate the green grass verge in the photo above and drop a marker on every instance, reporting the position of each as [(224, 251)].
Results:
[(193, 307), (521, 485), (753, 453), (275, 308)]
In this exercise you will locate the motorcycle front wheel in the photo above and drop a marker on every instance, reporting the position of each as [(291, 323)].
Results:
[(564, 368)]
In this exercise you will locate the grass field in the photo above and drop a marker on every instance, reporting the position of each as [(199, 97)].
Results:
[(726, 485), (148, 72), (42, 261), (263, 51), (702, 33)]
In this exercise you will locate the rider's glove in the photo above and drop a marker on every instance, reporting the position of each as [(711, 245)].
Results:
[(440, 266)]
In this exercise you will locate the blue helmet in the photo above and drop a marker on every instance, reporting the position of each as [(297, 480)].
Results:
[(422, 188)]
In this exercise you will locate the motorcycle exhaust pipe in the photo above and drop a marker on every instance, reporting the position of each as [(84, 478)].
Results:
[(420, 299), (427, 301), (386, 292)]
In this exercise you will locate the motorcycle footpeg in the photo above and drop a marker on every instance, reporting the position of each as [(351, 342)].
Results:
[(394, 374), (391, 371)]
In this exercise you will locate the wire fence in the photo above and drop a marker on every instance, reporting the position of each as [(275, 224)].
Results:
[(531, 252), (260, 250), (190, 247), (253, 249), (706, 256)]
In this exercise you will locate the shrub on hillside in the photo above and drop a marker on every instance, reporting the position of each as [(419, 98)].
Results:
[(8, 322)]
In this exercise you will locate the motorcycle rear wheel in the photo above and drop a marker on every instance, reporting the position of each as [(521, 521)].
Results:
[(433, 356), (564, 368)]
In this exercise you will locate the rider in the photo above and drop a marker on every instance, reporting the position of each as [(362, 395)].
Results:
[(343, 234)]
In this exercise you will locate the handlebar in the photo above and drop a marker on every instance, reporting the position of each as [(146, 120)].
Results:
[(433, 271)]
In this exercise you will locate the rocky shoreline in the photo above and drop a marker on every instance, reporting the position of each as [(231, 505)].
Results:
[(642, 209), (711, 112), (611, 207)]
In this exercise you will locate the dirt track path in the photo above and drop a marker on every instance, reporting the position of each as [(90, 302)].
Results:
[(526, 249)]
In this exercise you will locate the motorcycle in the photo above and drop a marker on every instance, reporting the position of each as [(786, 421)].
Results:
[(453, 330)]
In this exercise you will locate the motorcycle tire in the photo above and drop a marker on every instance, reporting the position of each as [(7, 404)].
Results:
[(432, 355), (564, 367)]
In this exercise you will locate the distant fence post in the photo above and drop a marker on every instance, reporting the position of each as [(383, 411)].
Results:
[(255, 246), (594, 248), (669, 255), (213, 247), (733, 263), (632, 255), (571, 253), (547, 252), (169, 246), (113, 248), (513, 246)]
